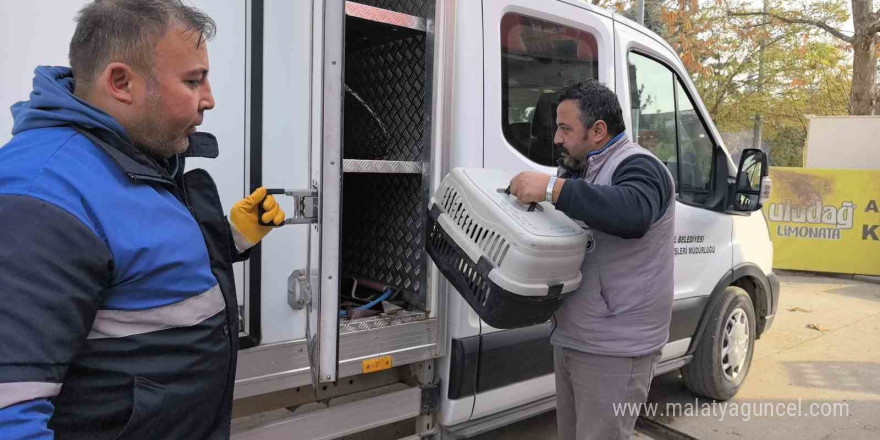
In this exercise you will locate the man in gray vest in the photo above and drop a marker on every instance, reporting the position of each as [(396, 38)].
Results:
[(609, 333)]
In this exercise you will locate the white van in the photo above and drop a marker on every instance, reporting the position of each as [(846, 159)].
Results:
[(358, 109)]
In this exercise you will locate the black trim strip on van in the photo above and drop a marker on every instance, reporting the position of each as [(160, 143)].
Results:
[(512, 356), (714, 297), (686, 314), (495, 360), (764, 294), (254, 332), (484, 363), (464, 355)]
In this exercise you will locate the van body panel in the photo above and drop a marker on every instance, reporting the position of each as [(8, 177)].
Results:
[(287, 111)]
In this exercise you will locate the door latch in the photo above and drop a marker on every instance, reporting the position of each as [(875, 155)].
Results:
[(305, 204)]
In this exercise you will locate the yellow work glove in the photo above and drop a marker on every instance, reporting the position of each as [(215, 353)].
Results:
[(246, 230)]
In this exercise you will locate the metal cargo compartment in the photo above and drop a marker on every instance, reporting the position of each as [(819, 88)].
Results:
[(386, 162)]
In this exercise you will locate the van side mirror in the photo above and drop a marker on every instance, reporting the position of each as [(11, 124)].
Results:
[(752, 183)]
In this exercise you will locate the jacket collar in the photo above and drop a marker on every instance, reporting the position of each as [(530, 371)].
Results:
[(138, 165), (566, 172), (202, 145), (608, 145), (596, 158)]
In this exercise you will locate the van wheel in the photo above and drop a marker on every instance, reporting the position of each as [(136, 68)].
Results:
[(724, 353)]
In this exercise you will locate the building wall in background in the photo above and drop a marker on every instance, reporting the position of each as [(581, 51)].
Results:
[(34, 33), (843, 142)]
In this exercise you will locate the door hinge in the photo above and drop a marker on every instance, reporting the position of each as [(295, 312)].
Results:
[(299, 290), (430, 398)]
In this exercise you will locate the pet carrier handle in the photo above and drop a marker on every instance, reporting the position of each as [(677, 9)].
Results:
[(531, 205), (305, 206)]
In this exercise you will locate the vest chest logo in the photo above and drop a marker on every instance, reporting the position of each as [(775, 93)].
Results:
[(591, 240)]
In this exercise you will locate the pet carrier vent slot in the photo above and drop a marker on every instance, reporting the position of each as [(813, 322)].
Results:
[(493, 245)]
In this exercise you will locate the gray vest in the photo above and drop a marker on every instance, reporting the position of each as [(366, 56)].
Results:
[(624, 303)]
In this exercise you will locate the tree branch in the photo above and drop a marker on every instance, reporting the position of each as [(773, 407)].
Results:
[(874, 27), (790, 20), (729, 80)]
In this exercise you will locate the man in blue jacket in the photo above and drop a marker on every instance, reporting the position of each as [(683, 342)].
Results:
[(118, 315)]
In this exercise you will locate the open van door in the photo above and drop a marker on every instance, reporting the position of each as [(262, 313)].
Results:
[(371, 162), (344, 116), (322, 328), (292, 81)]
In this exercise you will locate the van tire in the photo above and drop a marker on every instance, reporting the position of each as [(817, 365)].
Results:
[(709, 373)]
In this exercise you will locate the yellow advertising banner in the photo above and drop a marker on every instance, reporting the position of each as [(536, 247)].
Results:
[(825, 220)]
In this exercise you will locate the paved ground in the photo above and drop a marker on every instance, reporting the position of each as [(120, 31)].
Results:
[(839, 364), (542, 427)]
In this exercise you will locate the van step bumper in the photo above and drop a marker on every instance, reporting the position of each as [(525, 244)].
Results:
[(338, 420)]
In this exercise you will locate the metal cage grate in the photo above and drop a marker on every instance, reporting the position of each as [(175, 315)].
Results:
[(383, 231), (391, 79), (466, 277), (493, 244)]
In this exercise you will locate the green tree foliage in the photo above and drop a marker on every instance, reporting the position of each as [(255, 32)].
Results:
[(806, 70)]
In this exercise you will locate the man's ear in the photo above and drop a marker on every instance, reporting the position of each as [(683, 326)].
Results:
[(599, 130), (118, 80)]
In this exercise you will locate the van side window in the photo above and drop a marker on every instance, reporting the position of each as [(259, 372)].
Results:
[(652, 98), (538, 58), (696, 148), (665, 121)]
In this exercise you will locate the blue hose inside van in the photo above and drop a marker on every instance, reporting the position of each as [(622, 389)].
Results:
[(381, 298), (387, 293)]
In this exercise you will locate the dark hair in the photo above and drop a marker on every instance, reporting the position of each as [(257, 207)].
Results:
[(596, 102), (128, 31)]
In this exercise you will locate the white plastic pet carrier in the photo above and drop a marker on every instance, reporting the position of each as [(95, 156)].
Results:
[(513, 263)]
